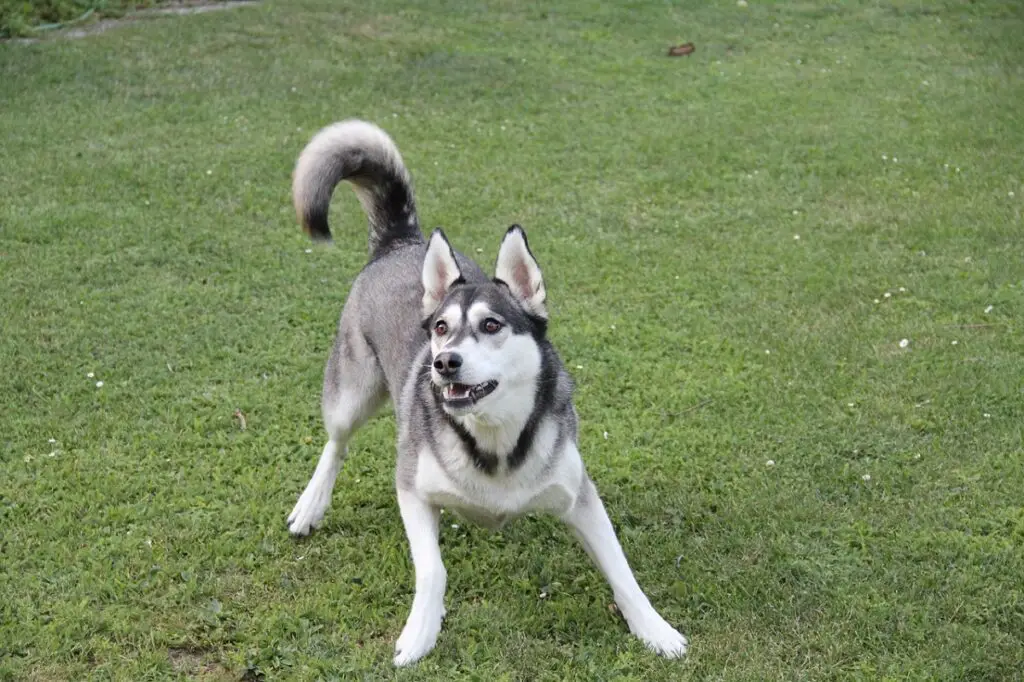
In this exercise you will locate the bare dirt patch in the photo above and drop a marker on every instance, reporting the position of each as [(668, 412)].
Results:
[(177, 8), (197, 664)]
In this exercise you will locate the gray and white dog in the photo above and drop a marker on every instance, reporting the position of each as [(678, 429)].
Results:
[(486, 423)]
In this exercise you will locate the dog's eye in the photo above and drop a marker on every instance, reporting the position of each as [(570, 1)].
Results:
[(440, 327), (491, 326)]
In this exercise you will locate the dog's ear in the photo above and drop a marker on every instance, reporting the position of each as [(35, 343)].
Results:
[(519, 270), (440, 272)]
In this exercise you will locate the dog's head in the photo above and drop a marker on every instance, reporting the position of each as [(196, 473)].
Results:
[(484, 337)]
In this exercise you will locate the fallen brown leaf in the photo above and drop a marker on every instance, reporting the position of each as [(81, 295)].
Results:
[(681, 50)]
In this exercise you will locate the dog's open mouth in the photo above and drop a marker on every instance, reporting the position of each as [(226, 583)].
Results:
[(464, 395)]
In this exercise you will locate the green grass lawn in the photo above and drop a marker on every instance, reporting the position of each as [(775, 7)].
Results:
[(735, 244)]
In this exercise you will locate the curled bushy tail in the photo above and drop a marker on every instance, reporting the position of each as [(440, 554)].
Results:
[(363, 154)]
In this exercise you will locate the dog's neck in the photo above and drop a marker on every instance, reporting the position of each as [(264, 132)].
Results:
[(504, 434), (497, 431)]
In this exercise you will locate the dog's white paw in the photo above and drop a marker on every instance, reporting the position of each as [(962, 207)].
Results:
[(418, 636), (309, 510), (659, 636)]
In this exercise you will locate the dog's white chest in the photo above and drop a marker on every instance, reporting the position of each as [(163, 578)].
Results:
[(546, 481)]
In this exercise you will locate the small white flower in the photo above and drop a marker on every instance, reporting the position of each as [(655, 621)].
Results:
[(52, 440), (917, 456), (903, 290), (455, 526), (613, 327), (924, 83), (887, 295), (895, 160), (606, 435), (309, 250), (954, 342), (987, 415), (52, 454), (479, 250), (946, 166), (293, 88), (796, 212), (849, 404), (209, 172), (866, 477), (958, 169), (99, 384), (904, 343), (767, 351), (877, 301), (796, 237), (770, 463), (90, 375), (988, 309), (741, 3), (1010, 193), (579, 366), (885, 157)]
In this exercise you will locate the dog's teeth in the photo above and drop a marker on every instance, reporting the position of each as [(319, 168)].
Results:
[(456, 391)]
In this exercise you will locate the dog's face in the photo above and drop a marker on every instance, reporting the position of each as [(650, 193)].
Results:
[(484, 338)]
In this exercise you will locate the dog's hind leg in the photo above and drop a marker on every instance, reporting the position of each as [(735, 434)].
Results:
[(354, 389)]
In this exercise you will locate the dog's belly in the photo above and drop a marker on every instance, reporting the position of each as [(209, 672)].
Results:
[(481, 517), (493, 519), (492, 501)]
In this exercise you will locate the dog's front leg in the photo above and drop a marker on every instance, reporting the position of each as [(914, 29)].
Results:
[(591, 525), (421, 629)]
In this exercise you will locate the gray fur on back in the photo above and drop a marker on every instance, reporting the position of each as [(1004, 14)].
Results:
[(383, 311)]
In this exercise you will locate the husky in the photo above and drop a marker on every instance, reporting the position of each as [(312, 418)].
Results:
[(486, 423)]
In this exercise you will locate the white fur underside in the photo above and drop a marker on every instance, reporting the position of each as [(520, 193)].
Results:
[(492, 499)]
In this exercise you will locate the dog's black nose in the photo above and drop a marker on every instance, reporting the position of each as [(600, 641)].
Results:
[(447, 364)]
